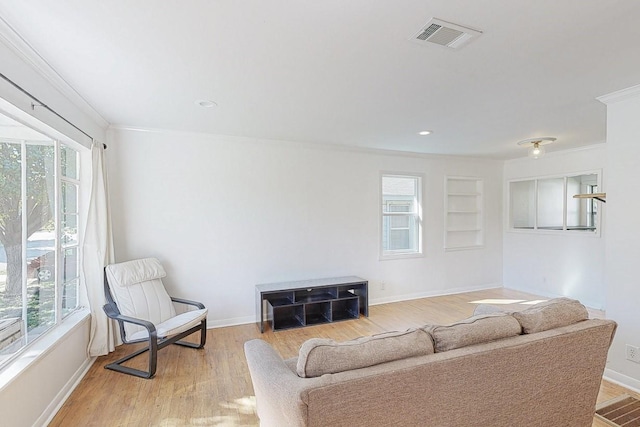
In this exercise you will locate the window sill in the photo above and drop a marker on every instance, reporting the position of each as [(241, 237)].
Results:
[(401, 256), (568, 232), (36, 350)]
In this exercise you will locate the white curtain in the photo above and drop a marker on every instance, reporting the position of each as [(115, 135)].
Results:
[(97, 253)]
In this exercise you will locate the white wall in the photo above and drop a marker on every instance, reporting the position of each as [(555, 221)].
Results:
[(55, 364), (224, 214), (623, 232), (552, 264)]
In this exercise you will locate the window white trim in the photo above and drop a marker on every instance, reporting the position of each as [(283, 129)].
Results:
[(13, 364), (38, 348), (416, 216)]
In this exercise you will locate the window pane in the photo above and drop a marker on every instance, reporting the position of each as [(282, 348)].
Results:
[(70, 264), (12, 323), (523, 208), (29, 249), (582, 213), (399, 206), (40, 239), (69, 230), (400, 222), (399, 239), (69, 197), (69, 297), (70, 274), (399, 194), (550, 203), (69, 162), (400, 214)]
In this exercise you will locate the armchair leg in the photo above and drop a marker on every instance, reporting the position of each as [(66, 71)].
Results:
[(153, 361), (153, 348), (203, 337)]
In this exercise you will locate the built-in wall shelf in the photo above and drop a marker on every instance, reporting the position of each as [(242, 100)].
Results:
[(464, 221)]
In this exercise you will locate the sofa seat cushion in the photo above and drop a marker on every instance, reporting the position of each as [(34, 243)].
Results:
[(319, 356), (551, 314), (474, 330)]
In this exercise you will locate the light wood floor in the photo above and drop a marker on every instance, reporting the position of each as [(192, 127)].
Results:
[(212, 386)]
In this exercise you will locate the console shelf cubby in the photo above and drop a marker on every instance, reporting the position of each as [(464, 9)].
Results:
[(311, 302)]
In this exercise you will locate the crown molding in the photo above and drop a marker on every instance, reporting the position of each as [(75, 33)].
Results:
[(620, 95), (12, 40), (558, 153), (308, 144)]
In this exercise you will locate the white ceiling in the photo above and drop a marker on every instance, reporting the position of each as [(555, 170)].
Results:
[(344, 71)]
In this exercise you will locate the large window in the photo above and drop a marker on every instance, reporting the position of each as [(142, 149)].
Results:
[(547, 204), (39, 183), (401, 215)]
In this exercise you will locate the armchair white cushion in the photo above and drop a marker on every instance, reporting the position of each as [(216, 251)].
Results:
[(137, 299), (137, 289)]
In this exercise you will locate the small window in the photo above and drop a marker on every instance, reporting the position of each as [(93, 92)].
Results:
[(548, 204), (401, 215)]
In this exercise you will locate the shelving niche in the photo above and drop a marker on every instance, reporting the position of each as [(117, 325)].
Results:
[(464, 223)]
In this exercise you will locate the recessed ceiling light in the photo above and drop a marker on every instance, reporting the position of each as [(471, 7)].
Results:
[(425, 132), (205, 103)]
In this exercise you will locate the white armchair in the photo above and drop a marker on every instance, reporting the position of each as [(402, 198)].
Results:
[(137, 299)]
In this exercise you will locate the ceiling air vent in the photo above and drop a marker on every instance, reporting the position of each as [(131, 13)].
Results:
[(445, 34)]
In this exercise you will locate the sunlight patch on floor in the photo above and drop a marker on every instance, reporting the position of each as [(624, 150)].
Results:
[(240, 412), (244, 405), (220, 420)]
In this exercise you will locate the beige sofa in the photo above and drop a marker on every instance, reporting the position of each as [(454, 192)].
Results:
[(539, 367)]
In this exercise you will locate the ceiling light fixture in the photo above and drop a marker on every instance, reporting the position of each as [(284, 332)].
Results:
[(205, 103), (425, 132), (536, 149)]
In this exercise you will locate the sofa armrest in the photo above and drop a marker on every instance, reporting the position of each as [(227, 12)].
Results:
[(277, 388)]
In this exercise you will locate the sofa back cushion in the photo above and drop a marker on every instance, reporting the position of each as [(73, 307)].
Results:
[(551, 314), (474, 330), (319, 356)]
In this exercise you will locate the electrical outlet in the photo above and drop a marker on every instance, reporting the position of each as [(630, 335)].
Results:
[(382, 286), (633, 353)]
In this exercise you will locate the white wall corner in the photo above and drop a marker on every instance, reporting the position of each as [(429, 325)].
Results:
[(622, 380)]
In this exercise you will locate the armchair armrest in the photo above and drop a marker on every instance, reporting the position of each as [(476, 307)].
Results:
[(113, 313), (188, 302)]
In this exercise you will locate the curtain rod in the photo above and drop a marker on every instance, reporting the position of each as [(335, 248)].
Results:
[(45, 106)]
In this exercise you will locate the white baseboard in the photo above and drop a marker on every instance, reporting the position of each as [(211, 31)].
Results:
[(590, 304), (234, 321), (622, 380), (221, 323), (64, 393), (436, 293)]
